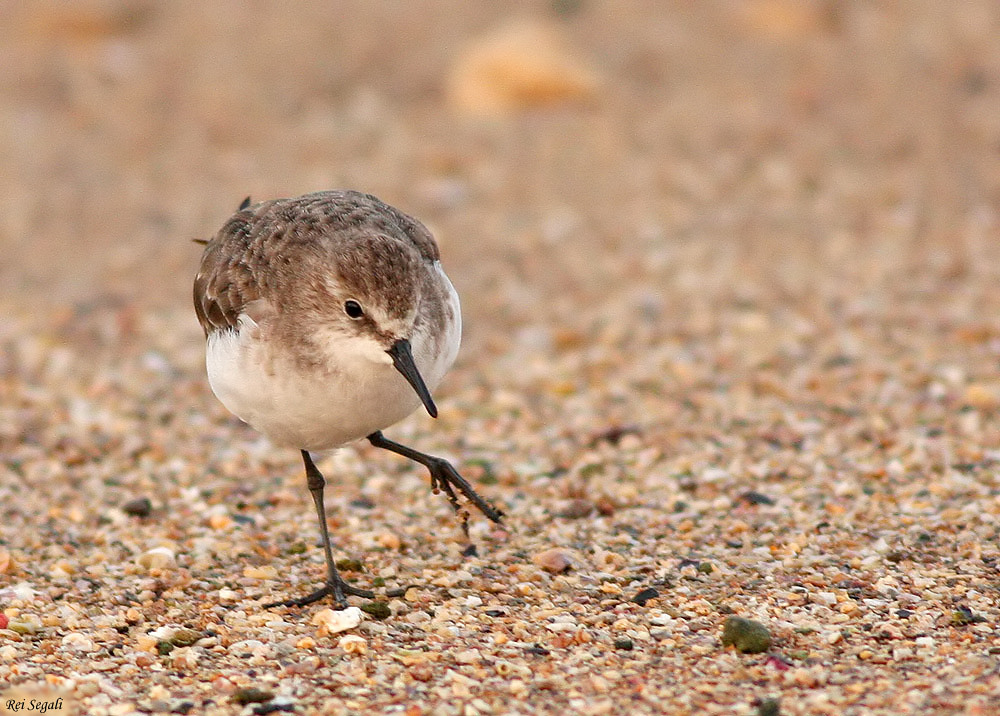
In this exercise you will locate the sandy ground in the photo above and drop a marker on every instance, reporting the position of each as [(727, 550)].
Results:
[(730, 287)]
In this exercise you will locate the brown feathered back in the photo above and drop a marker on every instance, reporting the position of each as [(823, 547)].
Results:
[(268, 244)]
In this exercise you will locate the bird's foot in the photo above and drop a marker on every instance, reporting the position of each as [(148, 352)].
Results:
[(445, 477), (338, 589)]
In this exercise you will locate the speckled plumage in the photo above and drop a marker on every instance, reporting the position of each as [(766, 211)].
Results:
[(327, 319), (270, 294)]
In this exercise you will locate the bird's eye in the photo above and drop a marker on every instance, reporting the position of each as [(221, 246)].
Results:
[(353, 309)]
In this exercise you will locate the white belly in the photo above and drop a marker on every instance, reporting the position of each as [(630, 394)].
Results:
[(360, 393)]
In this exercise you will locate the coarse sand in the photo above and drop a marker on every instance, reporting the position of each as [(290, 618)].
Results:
[(730, 275)]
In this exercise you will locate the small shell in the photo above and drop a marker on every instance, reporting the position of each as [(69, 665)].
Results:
[(333, 621), (353, 644)]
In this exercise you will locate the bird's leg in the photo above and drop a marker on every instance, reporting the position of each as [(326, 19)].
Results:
[(335, 586), (443, 476)]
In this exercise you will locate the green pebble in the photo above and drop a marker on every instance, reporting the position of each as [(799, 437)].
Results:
[(706, 568), (769, 707), (164, 647), (378, 610), (746, 635), (349, 565), (185, 637), (22, 628), (964, 616)]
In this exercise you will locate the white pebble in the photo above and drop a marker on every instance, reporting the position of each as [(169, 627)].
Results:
[(78, 642), (827, 599), (156, 558), (333, 621)]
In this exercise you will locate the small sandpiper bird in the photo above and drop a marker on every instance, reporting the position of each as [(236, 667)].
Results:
[(328, 318)]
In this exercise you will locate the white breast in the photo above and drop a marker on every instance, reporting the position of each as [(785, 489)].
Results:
[(357, 393)]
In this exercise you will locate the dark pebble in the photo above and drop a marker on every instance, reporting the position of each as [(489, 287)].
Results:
[(272, 707), (963, 616), (746, 635), (904, 613), (377, 610), (615, 433), (495, 612), (537, 650), (756, 498), (349, 565), (251, 695), (182, 707), (769, 707), (139, 507), (645, 595), (363, 503), (624, 644)]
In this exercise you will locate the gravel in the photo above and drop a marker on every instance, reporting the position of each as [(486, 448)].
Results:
[(731, 349)]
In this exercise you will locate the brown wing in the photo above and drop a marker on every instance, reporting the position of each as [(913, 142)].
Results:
[(225, 284)]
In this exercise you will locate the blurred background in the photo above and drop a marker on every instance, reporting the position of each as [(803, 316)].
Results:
[(623, 172), (530, 130)]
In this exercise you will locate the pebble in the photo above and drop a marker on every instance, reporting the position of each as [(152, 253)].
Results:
[(770, 706), (519, 65), (138, 507), (353, 644), (185, 637), (78, 642), (23, 626), (156, 558), (266, 571), (554, 560), (827, 599), (377, 610), (644, 596), (251, 695), (746, 635), (334, 621)]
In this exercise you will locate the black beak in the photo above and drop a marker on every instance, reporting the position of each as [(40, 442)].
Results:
[(402, 358)]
